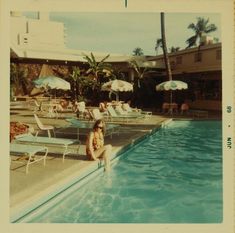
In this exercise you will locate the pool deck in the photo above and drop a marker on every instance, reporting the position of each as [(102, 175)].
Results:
[(42, 181)]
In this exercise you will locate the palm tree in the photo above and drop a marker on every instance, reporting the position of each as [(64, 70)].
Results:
[(75, 76), (166, 58), (97, 68), (81, 83), (200, 28), (137, 79), (140, 72), (138, 52), (173, 49), (158, 45), (216, 39)]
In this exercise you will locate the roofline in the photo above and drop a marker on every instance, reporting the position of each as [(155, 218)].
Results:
[(188, 50), (45, 61)]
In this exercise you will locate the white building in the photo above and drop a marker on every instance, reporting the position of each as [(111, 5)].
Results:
[(45, 40), (40, 33)]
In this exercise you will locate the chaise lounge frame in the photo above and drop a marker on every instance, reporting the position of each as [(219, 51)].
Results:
[(30, 151), (64, 142)]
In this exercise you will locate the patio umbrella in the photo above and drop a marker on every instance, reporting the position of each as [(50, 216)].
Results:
[(171, 85), (52, 82), (115, 86)]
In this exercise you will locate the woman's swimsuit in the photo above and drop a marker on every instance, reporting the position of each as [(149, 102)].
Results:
[(97, 143)]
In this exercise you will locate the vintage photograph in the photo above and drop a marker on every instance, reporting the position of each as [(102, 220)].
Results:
[(117, 117)]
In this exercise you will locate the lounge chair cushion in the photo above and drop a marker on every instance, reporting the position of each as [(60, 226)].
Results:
[(22, 148), (46, 140)]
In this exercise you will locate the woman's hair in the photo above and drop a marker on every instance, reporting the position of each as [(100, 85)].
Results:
[(97, 123)]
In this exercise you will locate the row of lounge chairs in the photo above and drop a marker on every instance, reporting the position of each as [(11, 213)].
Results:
[(36, 148), (123, 113), (117, 111)]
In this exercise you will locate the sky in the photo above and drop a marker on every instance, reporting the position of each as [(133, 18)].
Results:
[(122, 32)]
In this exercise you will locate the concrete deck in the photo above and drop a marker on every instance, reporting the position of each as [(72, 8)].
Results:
[(26, 189)]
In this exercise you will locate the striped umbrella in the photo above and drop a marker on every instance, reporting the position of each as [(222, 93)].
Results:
[(116, 86), (172, 85), (52, 82)]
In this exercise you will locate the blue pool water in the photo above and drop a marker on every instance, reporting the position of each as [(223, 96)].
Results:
[(174, 176)]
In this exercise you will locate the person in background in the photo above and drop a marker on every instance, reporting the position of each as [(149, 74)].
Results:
[(102, 107), (184, 108), (95, 147)]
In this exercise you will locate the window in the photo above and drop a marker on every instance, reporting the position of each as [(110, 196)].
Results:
[(25, 40), (198, 57), (218, 54), (179, 60)]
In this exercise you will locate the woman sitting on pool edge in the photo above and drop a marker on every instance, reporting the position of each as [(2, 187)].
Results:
[(95, 147)]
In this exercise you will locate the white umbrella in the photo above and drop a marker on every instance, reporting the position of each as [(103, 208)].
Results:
[(52, 82), (116, 86), (172, 85)]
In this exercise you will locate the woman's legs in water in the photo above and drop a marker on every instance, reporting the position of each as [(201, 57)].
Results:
[(106, 156), (104, 152)]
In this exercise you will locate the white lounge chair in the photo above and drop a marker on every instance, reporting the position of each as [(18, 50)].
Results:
[(115, 116), (43, 127), (122, 112), (127, 108), (63, 142), (30, 151), (97, 115)]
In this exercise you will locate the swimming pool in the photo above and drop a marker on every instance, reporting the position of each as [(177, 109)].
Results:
[(173, 176)]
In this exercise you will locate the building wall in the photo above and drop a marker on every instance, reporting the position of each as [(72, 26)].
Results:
[(37, 33), (204, 76), (184, 61), (17, 27), (199, 60)]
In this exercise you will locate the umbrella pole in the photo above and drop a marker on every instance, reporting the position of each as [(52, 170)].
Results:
[(171, 97), (117, 97), (171, 103)]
